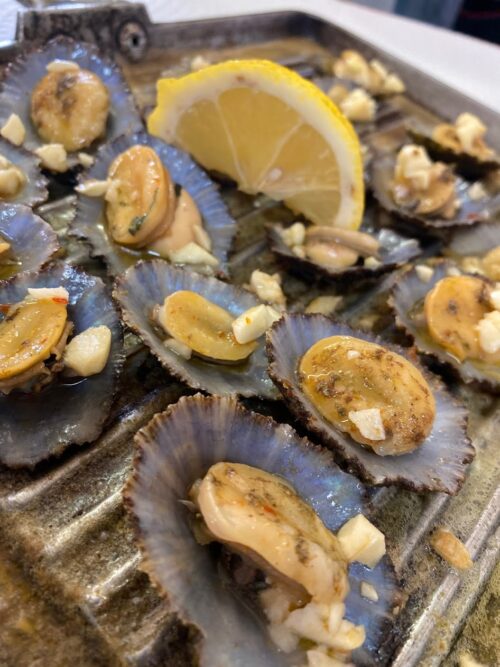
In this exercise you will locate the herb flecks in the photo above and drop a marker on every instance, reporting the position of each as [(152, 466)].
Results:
[(138, 220)]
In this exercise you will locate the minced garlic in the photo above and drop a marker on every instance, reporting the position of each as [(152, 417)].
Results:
[(13, 130)]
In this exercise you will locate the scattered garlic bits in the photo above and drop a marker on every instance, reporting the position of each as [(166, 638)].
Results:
[(466, 135), (202, 326), (425, 186), (85, 160), (267, 287), (242, 505), (373, 76), (53, 157), (13, 130), (424, 272), (93, 188), (368, 591), (357, 105), (449, 547), (70, 106), (254, 322), (87, 353), (461, 316), (12, 179), (193, 254), (377, 397)]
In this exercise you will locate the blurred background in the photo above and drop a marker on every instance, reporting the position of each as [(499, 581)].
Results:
[(479, 18)]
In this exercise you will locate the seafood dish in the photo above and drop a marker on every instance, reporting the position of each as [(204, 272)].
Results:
[(249, 347)]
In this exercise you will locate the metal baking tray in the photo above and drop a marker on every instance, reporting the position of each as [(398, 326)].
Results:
[(71, 591)]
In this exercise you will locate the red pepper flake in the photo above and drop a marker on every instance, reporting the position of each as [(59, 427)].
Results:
[(4, 307), (59, 299), (269, 509)]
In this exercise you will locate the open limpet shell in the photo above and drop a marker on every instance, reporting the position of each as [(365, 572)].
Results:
[(471, 211), (34, 190), (394, 251), (179, 446), (25, 72), (438, 464), (38, 425), (32, 240), (147, 284), (89, 222), (408, 293), (470, 166), (474, 242)]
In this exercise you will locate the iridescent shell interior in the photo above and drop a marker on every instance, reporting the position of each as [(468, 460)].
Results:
[(476, 241), (147, 284), (176, 448), (438, 464), (90, 224), (34, 190), (33, 241), (470, 212), (395, 250), (36, 426), (25, 72), (408, 294)]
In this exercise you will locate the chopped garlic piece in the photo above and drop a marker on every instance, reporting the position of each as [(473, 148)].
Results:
[(489, 332), (4, 247), (495, 298), (300, 251), (53, 157), (372, 263), (310, 622), (323, 305), (93, 188), (85, 160), (369, 423), (368, 591), (453, 271), (466, 660), (267, 287), (276, 602), (294, 235), (48, 293), (393, 84), (112, 193), (477, 191), (349, 637), (192, 253), (413, 164), (352, 66), (318, 658), (472, 265), (358, 106), (253, 323), (424, 273), (63, 66), (87, 353), (12, 180), (353, 354), (361, 541), (13, 130), (202, 237), (449, 547), (199, 62), (178, 347), (469, 129), (379, 69), (285, 639)]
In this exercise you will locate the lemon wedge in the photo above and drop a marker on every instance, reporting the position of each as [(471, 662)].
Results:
[(269, 130)]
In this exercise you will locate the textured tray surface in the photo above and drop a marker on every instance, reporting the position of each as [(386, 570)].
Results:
[(70, 588)]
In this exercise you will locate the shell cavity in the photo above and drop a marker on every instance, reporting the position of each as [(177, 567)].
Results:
[(36, 426), (90, 225), (179, 446), (147, 284), (439, 462)]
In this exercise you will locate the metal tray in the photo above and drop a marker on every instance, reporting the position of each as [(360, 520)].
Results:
[(71, 591)]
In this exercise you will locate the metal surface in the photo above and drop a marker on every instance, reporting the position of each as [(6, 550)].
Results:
[(71, 592)]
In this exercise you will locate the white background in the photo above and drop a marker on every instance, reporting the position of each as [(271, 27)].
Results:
[(467, 64)]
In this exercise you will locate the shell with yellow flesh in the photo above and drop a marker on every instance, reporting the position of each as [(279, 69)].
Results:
[(438, 464), (178, 447), (38, 425)]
